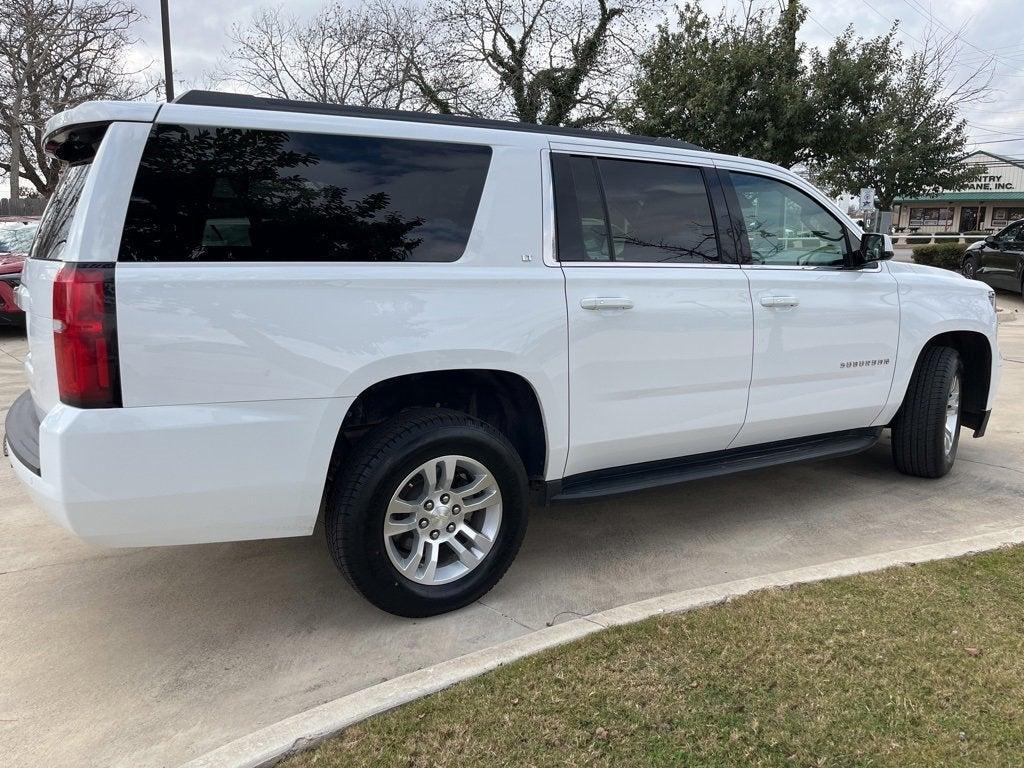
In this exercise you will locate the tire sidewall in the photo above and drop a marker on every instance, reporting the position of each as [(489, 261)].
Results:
[(364, 541)]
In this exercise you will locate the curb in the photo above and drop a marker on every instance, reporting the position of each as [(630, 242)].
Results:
[(267, 746)]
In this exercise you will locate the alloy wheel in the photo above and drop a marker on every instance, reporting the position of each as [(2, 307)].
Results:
[(952, 414), (442, 520)]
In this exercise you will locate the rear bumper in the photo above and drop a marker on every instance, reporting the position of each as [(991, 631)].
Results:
[(183, 474), (21, 432)]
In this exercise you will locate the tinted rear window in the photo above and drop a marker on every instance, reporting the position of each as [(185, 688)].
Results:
[(632, 211), (60, 211), (229, 194)]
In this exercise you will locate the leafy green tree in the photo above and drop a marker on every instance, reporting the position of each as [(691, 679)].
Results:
[(859, 114), (914, 146), (730, 84)]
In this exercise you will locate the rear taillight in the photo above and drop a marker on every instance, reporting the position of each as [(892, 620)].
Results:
[(85, 336)]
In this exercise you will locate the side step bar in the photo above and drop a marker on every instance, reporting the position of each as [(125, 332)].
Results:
[(635, 477)]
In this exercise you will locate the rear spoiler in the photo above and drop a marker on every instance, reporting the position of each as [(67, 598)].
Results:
[(93, 115)]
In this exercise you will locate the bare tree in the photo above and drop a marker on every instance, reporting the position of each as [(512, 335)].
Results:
[(554, 62), (557, 62), (343, 55), (54, 55)]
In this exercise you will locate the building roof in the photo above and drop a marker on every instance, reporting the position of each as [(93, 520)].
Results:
[(245, 101), (1003, 158), (966, 197)]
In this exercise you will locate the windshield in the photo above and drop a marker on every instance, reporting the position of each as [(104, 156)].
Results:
[(17, 239), (60, 212)]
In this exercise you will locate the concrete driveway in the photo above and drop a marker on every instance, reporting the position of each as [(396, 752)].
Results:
[(151, 657)]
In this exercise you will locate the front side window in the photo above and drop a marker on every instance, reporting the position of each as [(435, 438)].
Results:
[(1011, 234), (632, 211), (786, 227), (230, 194)]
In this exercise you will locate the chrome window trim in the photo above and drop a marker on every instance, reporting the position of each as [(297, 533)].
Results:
[(655, 264), (550, 235), (814, 267)]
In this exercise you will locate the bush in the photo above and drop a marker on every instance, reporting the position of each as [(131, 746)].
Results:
[(919, 239), (945, 255)]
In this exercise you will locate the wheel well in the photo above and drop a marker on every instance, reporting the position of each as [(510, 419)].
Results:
[(976, 354), (504, 400)]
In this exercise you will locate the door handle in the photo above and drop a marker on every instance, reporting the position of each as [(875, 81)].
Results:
[(606, 302), (780, 301)]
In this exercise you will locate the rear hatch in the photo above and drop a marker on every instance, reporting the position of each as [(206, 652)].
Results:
[(100, 144)]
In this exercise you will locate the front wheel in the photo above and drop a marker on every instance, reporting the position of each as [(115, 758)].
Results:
[(429, 513), (970, 267), (926, 431)]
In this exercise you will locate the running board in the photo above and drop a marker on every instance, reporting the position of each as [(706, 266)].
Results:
[(653, 474)]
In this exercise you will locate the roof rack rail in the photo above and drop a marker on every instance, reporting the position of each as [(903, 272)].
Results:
[(245, 101)]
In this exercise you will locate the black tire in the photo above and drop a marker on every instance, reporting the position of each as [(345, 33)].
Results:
[(918, 431), (970, 267), (361, 493)]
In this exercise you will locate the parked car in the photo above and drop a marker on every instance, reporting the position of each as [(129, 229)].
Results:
[(245, 312), (16, 236), (999, 259)]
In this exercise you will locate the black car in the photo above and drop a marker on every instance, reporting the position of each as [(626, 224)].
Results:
[(999, 260)]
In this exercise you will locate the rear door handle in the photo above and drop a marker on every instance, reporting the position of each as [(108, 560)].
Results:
[(780, 301), (606, 302)]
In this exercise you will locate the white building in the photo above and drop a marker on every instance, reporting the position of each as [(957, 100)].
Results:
[(985, 205)]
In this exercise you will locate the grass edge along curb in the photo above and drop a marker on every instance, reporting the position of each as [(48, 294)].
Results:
[(268, 746)]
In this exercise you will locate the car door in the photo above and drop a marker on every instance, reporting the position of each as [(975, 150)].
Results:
[(997, 264), (660, 322), (825, 336)]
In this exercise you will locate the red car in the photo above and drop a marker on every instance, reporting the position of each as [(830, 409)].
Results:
[(16, 234)]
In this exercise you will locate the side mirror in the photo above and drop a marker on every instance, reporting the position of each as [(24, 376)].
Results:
[(991, 241), (874, 246)]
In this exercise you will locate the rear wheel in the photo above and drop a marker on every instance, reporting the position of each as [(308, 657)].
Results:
[(926, 431), (429, 513)]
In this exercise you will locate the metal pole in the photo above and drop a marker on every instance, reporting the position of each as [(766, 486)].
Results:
[(165, 24)]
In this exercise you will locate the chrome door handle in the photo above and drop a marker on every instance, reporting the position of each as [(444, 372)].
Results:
[(780, 301), (606, 302)]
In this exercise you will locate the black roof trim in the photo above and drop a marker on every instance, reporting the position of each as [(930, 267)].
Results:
[(245, 101)]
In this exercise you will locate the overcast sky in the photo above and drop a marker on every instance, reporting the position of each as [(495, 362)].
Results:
[(993, 27), (200, 29)]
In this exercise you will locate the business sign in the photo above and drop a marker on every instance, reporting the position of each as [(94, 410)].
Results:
[(989, 183)]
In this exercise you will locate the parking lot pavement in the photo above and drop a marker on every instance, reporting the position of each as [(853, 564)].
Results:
[(151, 657)]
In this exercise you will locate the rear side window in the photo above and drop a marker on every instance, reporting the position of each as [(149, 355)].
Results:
[(231, 194), (632, 211), (52, 235)]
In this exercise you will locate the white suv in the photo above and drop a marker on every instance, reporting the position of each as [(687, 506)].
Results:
[(244, 312)]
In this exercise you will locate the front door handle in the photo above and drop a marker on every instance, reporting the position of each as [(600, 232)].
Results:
[(780, 301), (606, 302)]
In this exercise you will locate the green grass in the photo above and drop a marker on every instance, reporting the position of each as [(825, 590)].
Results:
[(914, 666)]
